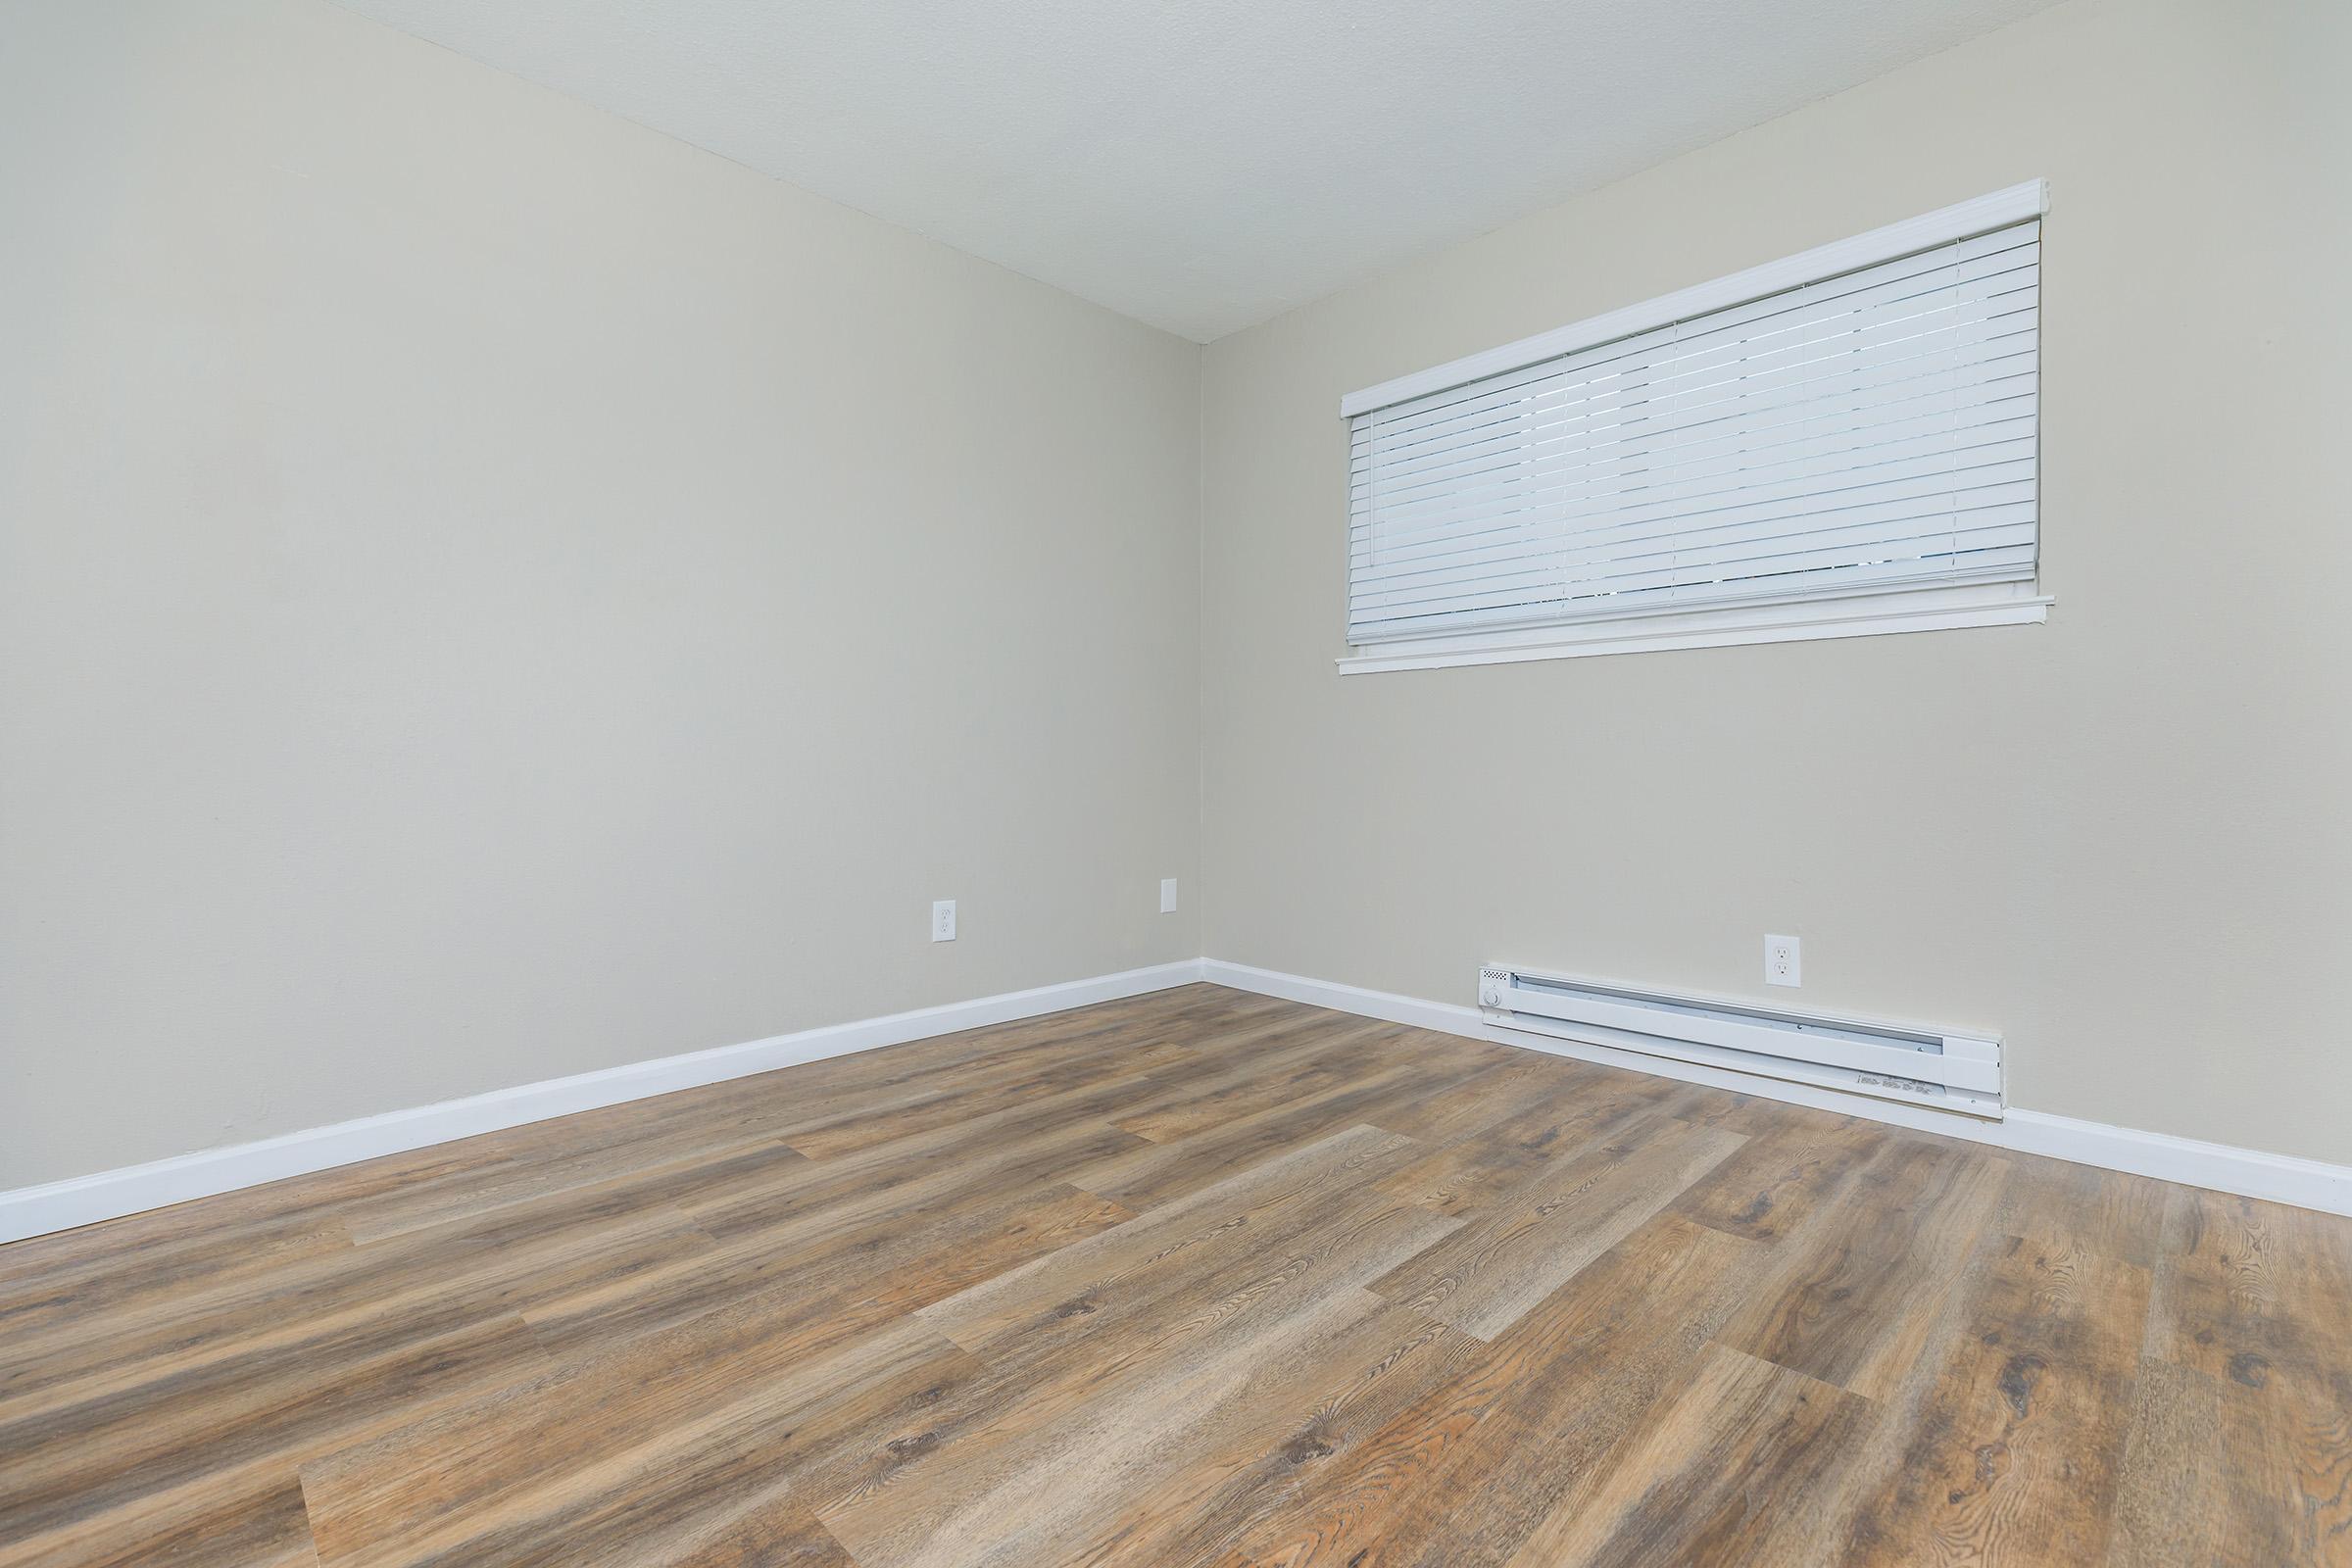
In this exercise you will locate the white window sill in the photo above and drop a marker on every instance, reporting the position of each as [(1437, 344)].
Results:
[(2005, 604)]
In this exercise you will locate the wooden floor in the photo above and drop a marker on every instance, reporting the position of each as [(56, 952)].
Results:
[(1196, 1278)]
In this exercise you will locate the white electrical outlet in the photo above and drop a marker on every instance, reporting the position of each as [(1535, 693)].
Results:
[(943, 920), (1784, 962), (1167, 894)]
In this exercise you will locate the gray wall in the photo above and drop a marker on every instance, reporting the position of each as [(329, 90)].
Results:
[(2122, 838), (488, 592)]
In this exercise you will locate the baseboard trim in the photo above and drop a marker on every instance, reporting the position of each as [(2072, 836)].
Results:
[(2222, 1167), (109, 1194)]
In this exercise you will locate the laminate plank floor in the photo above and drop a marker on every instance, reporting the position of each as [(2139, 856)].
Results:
[(1194, 1278)]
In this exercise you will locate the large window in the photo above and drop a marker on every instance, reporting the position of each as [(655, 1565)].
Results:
[(1853, 430)]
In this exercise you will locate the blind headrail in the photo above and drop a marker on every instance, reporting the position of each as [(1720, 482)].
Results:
[(1961, 220)]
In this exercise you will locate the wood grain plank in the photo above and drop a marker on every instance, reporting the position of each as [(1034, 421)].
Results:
[(1306, 1415), (1213, 1221), (1162, 1173), (2172, 1504), (1492, 1271), (162, 1452), (1116, 1365), (1019, 1492), (1543, 1122), (251, 1517), (1727, 1469), (1281, 1065), (324, 1313), (780, 1533), (1859, 1298), (1052, 1369), (1066, 1137), (2258, 1298), (2016, 1451), (1465, 1473), (904, 1258), (2061, 1206), (625, 1456), (1769, 1188), (1001, 1092)]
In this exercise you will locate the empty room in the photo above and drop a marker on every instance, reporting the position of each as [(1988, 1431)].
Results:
[(1175, 783)]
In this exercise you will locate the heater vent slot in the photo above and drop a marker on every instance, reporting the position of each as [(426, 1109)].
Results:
[(1944, 1069)]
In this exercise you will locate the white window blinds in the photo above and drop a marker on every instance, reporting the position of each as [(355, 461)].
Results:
[(1870, 430)]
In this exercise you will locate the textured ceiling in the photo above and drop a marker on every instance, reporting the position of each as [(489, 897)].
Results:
[(1201, 165)]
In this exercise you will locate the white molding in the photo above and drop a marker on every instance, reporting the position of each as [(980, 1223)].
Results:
[(1962, 220), (2248, 1172), (1876, 615), (109, 1194), (2223, 1167)]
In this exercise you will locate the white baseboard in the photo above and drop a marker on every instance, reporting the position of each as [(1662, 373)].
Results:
[(2248, 1172), (111, 1193)]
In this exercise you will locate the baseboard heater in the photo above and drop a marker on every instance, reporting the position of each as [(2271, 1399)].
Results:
[(1936, 1070)]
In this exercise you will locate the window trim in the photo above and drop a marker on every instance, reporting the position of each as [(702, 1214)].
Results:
[(1932, 607), (1855, 612)]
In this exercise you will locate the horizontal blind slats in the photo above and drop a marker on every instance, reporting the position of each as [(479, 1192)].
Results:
[(1985, 507), (1429, 415), (1865, 386), (1582, 403), (1912, 537), (1560, 484), (2014, 564), (1832, 484), (1876, 427)]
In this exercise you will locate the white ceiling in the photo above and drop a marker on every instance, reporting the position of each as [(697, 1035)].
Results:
[(1201, 165)]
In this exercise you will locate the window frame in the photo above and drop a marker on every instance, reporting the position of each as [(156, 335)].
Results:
[(1858, 610)]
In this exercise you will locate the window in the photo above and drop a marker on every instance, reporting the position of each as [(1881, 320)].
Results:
[(1842, 442)]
